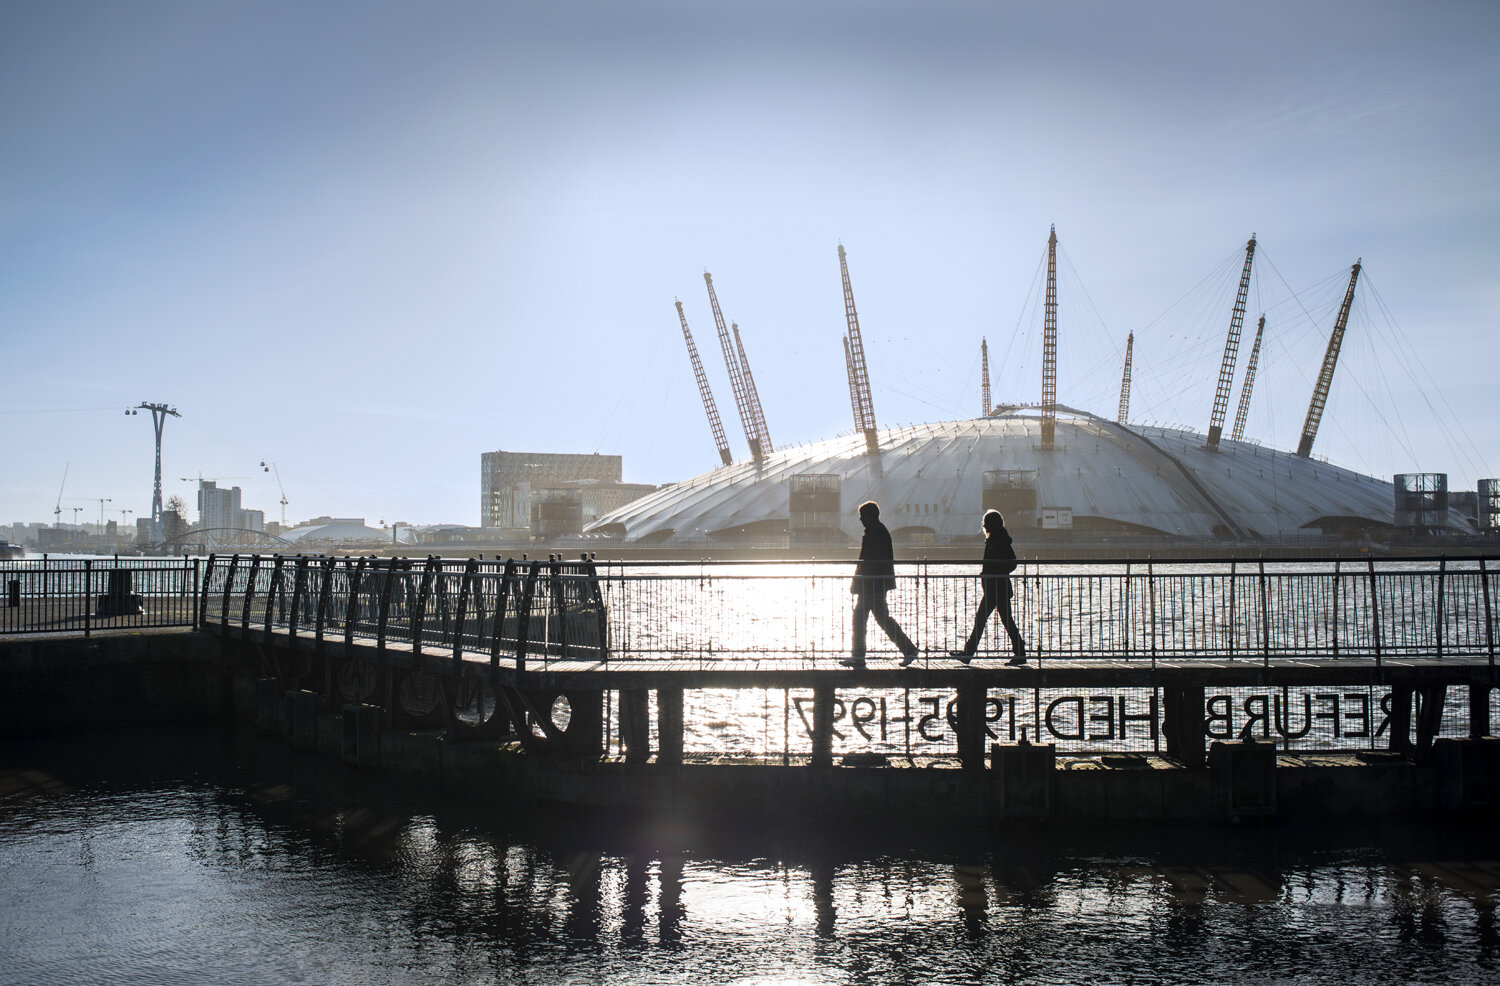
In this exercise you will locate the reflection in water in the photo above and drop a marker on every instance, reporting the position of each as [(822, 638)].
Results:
[(150, 857)]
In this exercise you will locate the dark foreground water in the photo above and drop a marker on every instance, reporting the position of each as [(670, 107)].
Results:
[(196, 857)]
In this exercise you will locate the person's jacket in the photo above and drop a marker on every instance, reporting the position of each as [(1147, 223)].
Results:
[(875, 571), (999, 556)]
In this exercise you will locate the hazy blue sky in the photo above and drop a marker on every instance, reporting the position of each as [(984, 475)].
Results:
[(369, 241)]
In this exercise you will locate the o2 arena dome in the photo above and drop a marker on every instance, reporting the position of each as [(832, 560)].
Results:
[(1050, 469), (933, 483)]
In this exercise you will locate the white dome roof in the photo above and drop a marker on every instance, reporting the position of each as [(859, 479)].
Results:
[(1113, 478)]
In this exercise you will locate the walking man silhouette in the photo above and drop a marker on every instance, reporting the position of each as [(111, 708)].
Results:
[(994, 576), (874, 576)]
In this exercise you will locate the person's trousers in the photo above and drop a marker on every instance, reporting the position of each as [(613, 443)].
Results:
[(995, 599), (868, 604)]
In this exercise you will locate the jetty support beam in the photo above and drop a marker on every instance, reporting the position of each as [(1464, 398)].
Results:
[(635, 724), (669, 725)]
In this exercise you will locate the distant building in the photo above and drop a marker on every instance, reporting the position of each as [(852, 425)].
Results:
[(217, 509), (508, 479), (335, 530)]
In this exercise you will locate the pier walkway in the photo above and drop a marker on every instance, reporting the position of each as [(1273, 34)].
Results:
[(1124, 656)]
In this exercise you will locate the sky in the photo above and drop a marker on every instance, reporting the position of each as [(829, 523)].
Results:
[(365, 242)]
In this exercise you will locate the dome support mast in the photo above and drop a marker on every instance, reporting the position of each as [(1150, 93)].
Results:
[(1231, 352), (1125, 380), (864, 405), (1325, 375), (984, 376), (736, 377), (753, 396), (709, 406), (859, 422), (1244, 409), (1049, 349)]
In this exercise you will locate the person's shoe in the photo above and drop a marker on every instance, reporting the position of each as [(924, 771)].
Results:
[(1019, 661), (961, 656), (906, 661), (853, 662)]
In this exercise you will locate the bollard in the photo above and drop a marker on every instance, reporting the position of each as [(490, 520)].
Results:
[(360, 735), (1468, 772), (1244, 774), (1025, 771)]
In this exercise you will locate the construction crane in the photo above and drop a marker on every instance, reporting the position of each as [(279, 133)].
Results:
[(1125, 380), (864, 405), (102, 501), (984, 377), (736, 378), (1231, 351), (159, 413), (709, 407), (125, 517), (1049, 348), (756, 414), (57, 510), (1244, 409), (1325, 375), (277, 473)]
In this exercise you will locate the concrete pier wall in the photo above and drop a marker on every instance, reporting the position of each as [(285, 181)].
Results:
[(69, 684), (65, 684)]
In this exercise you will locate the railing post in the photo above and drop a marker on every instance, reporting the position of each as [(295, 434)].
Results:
[(199, 576), (325, 591), (234, 563), (1375, 614), (1127, 634), (208, 574), (1151, 607), (1489, 620), (384, 614), (1232, 620), (1442, 573), (249, 591), (559, 608), (465, 586), (351, 610), (523, 614), (429, 570), (276, 586), (1336, 620), (88, 595), (299, 588), (1265, 616), (507, 589), (596, 596)]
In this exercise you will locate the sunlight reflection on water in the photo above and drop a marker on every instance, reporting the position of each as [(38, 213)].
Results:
[(182, 858)]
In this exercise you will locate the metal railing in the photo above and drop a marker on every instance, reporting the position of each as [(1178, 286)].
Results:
[(800, 613), (71, 596)]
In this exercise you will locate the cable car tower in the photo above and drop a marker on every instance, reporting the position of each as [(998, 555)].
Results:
[(159, 414)]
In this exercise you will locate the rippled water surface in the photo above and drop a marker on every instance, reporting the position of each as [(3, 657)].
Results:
[(173, 856)]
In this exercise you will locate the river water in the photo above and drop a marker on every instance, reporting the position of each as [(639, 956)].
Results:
[(204, 856)]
